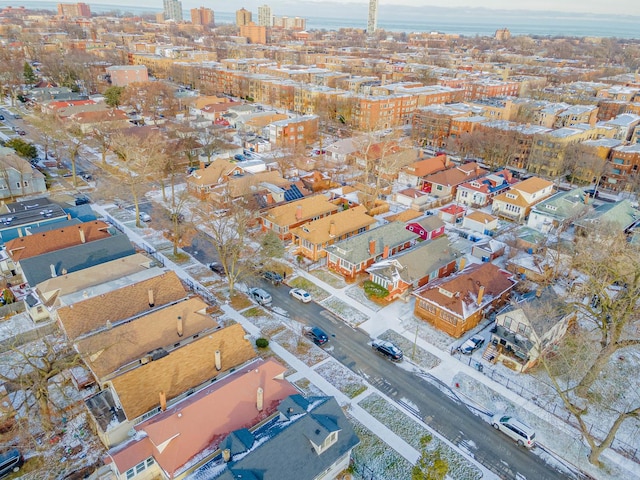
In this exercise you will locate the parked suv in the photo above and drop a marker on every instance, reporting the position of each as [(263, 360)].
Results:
[(317, 335), (273, 277), (260, 296), (387, 349), (217, 268), (522, 433)]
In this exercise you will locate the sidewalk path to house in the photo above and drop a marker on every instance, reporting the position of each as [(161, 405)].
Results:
[(463, 380)]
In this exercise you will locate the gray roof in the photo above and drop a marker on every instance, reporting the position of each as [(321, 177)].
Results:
[(564, 205), (37, 269), (54, 226), (356, 249), (417, 263), (619, 215), (281, 448), (27, 212)]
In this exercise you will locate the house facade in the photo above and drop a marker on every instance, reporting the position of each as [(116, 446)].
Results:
[(479, 193), (427, 228), (516, 203), (18, 178), (283, 219), (457, 304)]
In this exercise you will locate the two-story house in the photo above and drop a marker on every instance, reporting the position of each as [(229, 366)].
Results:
[(282, 219), (445, 183), (478, 193), (312, 238), (353, 255), (559, 210), (516, 203), (412, 175), (457, 304), (17, 177)]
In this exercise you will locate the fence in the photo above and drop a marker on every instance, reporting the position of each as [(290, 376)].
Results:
[(558, 410), (151, 251)]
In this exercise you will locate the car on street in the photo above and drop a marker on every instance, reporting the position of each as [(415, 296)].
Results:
[(317, 336), (471, 345), (145, 217), (387, 349), (261, 296), (10, 461), (274, 277), (519, 431), (300, 294), (82, 200), (1, 117), (217, 268)]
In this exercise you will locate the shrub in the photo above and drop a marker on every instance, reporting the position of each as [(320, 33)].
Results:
[(374, 290), (262, 343)]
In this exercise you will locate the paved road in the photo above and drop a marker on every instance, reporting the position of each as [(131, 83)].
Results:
[(442, 412)]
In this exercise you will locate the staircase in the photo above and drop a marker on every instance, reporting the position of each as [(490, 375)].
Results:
[(491, 353)]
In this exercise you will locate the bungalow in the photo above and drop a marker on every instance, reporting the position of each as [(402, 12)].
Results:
[(415, 267), (516, 203), (614, 217), (478, 193), (560, 210), (445, 183), (413, 175), (456, 305), (202, 181), (427, 228), (529, 329), (283, 219), (313, 237), (353, 255)]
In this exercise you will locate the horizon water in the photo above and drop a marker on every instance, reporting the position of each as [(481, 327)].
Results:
[(463, 23)]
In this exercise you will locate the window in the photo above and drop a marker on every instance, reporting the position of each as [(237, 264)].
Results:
[(18, 184), (448, 317), (429, 307)]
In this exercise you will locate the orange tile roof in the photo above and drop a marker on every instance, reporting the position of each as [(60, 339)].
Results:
[(481, 217), (93, 313), (52, 240), (427, 166), (112, 348), (198, 424), (186, 367), (456, 175), (347, 221)]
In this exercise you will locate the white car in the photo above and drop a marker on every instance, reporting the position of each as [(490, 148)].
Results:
[(519, 431), (145, 217), (300, 294)]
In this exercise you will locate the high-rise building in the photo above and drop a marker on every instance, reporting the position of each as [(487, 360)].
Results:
[(243, 17), (290, 23), (254, 33), (265, 19), (173, 10), (372, 22), (74, 10), (202, 16)]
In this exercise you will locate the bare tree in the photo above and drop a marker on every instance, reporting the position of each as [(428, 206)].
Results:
[(152, 99)]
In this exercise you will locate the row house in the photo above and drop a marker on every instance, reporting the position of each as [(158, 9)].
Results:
[(577, 115), (465, 125), (444, 184), (623, 167), (314, 237), (374, 113), (354, 255), (479, 192), (459, 303), (486, 88), (283, 219), (414, 268), (516, 203), (433, 124), (624, 126)]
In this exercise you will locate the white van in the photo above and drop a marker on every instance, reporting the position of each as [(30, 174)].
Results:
[(260, 296), (522, 433)]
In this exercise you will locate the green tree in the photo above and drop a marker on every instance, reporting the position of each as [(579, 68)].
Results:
[(112, 96), (22, 148), (431, 465), (29, 75)]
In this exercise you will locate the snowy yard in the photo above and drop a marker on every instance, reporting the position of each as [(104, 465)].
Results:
[(346, 312), (357, 293), (330, 278), (342, 378), (302, 348), (308, 388), (411, 432), (317, 293)]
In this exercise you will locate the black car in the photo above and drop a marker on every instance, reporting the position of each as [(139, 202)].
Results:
[(317, 335), (82, 200), (217, 268), (1, 117), (387, 349), (10, 461), (273, 277)]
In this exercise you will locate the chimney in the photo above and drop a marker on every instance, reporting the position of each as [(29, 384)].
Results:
[(151, 302), (332, 229), (385, 253), (163, 401), (463, 262), (53, 270), (299, 212), (480, 294), (218, 362), (260, 399), (82, 237), (226, 455), (179, 326), (372, 247)]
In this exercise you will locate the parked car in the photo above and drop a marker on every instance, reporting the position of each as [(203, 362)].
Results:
[(317, 335), (387, 349), (217, 268), (21, 132), (273, 277), (1, 117), (519, 431), (260, 296), (145, 217), (10, 461), (592, 192), (82, 200), (471, 345), (300, 294)]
